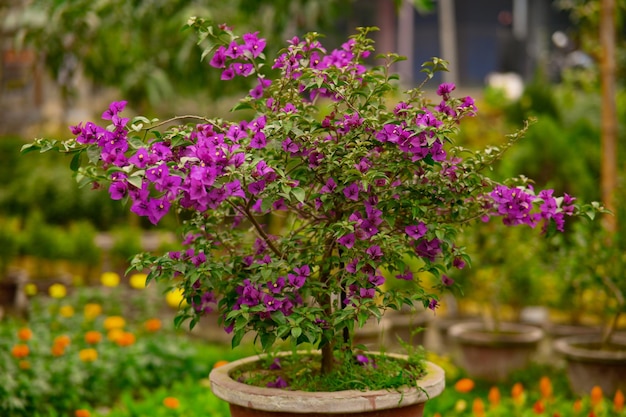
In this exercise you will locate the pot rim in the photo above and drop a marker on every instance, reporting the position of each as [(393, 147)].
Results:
[(477, 333), (566, 347), (279, 400)]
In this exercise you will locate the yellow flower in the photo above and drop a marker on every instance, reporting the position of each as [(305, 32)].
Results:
[(138, 281), (92, 310), (115, 334), (114, 322), (110, 279), (175, 298), (66, 311), (57, 291), (460, 406), (30, 289), (88, 355)]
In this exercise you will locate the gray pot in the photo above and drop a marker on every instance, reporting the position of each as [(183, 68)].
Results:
[(247, 400), (588, 365), (492, 356)]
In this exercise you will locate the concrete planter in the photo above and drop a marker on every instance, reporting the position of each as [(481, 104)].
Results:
[(248, 401), (588, 365), (492, 356)]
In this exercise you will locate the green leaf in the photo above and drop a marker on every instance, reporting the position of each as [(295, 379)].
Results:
[(299, 194), (296, 332), (267, 340), (135, 180), (75, 163)]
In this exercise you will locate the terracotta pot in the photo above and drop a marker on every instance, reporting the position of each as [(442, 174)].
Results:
[(492, 356), (247, 401), (588, 365)]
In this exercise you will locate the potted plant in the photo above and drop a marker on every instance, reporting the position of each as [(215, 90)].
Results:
[(363, 181), (496, 342), (597, 357)]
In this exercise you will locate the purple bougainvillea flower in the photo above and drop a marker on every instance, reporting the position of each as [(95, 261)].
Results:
[(407, 275), (446, 280), (352, 191), (278, 383), (362, 359), (347, 240), (416, 231), (445, 89), (219, 58), (275, 365), (254, 44)]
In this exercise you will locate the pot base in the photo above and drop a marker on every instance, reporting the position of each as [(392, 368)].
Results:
[(415, 410)]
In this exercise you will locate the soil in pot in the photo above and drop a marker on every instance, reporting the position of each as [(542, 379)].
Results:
[(589, 363), (493, 355), (249, 400)]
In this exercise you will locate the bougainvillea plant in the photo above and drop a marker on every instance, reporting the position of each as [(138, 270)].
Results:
[(329, 183)]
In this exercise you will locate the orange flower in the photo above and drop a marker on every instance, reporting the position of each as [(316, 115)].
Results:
[(478, 407), (88, 355), (545, 387), (578, 405), (494, 396), (20, 351), (171, 402), (517, 393), (464, 385), (596, 395), (93, 337), (152, 325), (24, 365), (62, 340), (57, 350), (437, 415), (125, 339), (220, 363), (539, 408), (618, 401), (24, 334), (82, 413)]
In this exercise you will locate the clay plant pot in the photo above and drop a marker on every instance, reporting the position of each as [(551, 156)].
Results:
[(493, 355), (251, 401), (588, 365)]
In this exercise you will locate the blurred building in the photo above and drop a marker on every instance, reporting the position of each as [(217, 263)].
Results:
[(479, 38)]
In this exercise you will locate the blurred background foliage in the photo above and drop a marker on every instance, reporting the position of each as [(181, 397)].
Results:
[(138, 49)]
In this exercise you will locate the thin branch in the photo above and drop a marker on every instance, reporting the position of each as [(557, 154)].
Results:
[(187, 116)]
